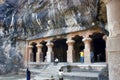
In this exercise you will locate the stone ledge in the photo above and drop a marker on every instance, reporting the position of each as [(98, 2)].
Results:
[(82, 74), (58, 31)]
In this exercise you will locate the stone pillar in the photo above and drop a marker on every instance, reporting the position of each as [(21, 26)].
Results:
[(49, 55), (87, 49), (29, 53), (105, 38), (113, 41), (70, 51), (26, 55), (39, 52)]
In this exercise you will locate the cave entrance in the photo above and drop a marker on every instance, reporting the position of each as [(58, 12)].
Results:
[(34, 51), (44, 51), (78, 47), (60, 50), (98, 46)]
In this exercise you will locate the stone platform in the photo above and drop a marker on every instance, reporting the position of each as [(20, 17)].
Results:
[(71, 71)]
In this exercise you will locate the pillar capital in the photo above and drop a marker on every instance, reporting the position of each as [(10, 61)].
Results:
[(70, 42), (87, 39), (105, 37), (30, 46), (49, 43), (106, 1), (39, 45)]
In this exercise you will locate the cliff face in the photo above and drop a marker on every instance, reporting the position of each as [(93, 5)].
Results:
[(20, 19)]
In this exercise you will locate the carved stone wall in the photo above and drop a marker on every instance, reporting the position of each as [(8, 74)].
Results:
[(20, 19)]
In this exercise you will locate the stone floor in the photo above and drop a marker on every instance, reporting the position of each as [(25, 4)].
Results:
[(40, 77), (22, 77)]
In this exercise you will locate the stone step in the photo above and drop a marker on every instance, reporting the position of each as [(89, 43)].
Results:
[(74, 71), (51, 68), (81, 75), (69, 76), (95, 67), (38, 65)]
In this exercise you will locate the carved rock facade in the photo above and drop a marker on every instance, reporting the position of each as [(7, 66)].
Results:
[(21, 19)]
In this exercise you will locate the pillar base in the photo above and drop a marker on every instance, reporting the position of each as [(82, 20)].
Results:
[(113, 49)]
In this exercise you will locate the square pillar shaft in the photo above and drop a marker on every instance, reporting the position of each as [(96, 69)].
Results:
[(29, 53), (113, 41)]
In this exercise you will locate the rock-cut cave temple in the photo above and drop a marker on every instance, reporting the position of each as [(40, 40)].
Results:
[(42, 30)]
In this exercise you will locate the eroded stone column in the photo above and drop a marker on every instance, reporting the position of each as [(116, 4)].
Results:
[(29, 53), (113, 41), (70, 51), (39, 52), (87, 44), (49, 56)]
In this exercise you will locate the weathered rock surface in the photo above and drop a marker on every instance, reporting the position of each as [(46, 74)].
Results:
[(20, 19)]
